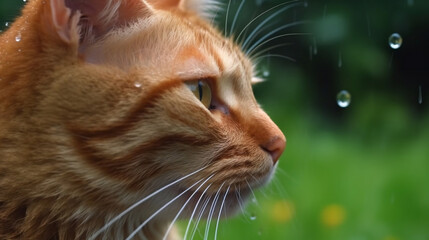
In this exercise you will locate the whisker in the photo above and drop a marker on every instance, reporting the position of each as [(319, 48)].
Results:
[(240, 200), (267, 20), (206, 202), (212, 209), (226, 17), (284, 173), (276, 55), (260, 15), (220, 211), (250, 39), (195, 209), (251, 190), (280, 188), (218, 7), (108, 224), (183, 207), (159, 210), (269, 49), (260, 42), (259, 182), (235, 17)]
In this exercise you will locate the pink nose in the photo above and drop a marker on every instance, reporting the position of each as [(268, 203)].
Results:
[(275, 147)]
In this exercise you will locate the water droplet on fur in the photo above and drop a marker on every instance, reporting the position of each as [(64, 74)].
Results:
[(253, 217), (344, 98), (395, 41), (24, 0), (6, 24), (19, 50), (137, 84), (254, 200), (18, 37), (420, 95)]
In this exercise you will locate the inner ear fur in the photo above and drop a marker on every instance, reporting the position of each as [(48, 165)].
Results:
[(91, 19)]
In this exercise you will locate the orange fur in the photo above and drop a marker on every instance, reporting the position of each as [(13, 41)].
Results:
[(95, 115)]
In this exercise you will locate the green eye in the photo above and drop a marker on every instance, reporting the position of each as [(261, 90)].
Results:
[(202, 91)]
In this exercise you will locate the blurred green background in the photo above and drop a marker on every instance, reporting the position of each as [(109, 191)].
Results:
[(355, 173)]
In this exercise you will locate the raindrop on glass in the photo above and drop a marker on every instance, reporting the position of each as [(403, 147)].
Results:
[(18, 37), (395, 41), (253, 217), (420, 95), (340, 60), (137, 84), (344, 98)]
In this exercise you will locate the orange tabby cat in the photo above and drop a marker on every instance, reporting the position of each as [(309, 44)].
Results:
[(107, 104)]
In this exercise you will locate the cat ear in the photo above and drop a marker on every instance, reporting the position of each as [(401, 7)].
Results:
[(86, 20), (204, 8)]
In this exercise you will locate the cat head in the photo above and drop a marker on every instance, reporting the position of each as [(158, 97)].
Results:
[(132, 95)]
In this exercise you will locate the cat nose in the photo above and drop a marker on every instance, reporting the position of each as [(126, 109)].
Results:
[(275, 147)]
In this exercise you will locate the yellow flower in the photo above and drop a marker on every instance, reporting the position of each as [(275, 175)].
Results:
[(282, 211), (333, 215)]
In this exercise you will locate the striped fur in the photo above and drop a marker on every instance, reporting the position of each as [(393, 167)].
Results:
[(95, 115)]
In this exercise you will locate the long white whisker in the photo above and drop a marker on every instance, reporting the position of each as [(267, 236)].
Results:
[(260, 42), (206, 202), (108, 224), (183, 207), (269, 49), (260, 15), (240, 200), (226, 17), (194, 211), (212, 209), (275, 55), (250, 39), (235, 17), (220, 211), (159, 210), (282, 171), (280, 188), (267, 20), (251, 190)]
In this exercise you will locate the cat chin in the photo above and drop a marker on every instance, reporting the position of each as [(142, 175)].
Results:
[(234, 202)]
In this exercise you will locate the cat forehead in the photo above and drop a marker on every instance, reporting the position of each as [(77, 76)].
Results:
[(208, 60), (187, 48)]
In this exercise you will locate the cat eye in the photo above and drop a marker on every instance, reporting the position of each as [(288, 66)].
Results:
[(202, 91)]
